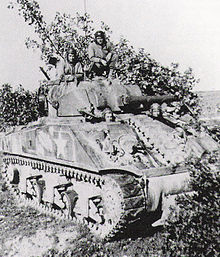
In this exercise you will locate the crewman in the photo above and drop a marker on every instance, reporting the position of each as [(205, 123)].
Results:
[(102, 59), (70, 69)]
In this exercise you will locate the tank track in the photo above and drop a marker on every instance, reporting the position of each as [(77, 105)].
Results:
[(123, 195)]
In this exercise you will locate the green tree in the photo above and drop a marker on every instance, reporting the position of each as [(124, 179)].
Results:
[(214, 131), (194, 231), (153, 78), (56, 37), (18, 106), (134, 67)]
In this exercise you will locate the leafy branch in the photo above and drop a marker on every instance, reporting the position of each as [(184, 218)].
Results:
[(30, 10), (134, 67)]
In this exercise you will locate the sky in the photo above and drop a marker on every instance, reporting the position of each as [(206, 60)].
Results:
[(183, 31)]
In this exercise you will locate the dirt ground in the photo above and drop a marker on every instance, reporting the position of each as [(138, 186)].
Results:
[(25, 232)]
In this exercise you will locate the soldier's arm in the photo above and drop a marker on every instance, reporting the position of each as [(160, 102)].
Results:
[(78, 71), (109, 46)]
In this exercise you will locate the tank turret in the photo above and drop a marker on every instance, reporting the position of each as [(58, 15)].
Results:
[(101, 94)]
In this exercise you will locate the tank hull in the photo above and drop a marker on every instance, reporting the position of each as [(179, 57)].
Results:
[(109, 175)]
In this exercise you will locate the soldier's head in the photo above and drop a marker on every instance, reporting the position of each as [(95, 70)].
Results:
[(108, 115), (100, 38), (71, 55)]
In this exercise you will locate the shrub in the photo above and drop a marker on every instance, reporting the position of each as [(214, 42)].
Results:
[(18, 106), (214, 132), (194, 231)]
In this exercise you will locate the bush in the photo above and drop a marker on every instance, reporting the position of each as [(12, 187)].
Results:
[(194, 231), (214, 132), (17, 107)]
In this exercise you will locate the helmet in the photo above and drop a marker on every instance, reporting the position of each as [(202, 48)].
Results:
[(100, 34)]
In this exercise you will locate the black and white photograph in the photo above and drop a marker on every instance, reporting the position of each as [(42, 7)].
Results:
[(109, 128)]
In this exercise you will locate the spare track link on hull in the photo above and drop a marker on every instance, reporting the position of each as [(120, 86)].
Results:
[(123, 198)]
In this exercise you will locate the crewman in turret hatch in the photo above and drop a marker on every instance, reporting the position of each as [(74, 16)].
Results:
[(102, 59), (70, 69)]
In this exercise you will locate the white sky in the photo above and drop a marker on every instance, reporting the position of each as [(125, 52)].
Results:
[(183, 31)]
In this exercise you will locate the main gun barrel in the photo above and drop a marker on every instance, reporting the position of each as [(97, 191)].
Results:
[(129, 100)]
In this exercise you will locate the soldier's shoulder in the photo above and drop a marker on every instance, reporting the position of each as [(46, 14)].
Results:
[(109, 44)]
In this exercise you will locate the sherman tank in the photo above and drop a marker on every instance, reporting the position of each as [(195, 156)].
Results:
[(106, 156)]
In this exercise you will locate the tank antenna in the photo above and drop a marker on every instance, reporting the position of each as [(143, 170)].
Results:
[(85, 6)]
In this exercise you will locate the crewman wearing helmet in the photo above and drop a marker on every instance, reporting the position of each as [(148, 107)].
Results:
[(102, 59), (71, 68), (68, 70)]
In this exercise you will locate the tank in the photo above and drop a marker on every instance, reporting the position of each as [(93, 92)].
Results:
[(106, 156)]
